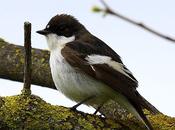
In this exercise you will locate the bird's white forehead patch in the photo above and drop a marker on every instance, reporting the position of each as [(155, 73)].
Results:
[(48, 26), (99, 59), (54, 41)]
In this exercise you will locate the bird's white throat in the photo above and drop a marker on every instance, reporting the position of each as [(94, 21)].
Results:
[(54, 41)]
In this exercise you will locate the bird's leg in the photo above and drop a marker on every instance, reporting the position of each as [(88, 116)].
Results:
[(98, 108), (82, 102)]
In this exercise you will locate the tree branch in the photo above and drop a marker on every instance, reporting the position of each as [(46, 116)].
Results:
[(108, 10), (32, 113), (27, 62), (12, 64)]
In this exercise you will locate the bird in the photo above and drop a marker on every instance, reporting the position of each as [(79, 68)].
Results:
[(86, 70)]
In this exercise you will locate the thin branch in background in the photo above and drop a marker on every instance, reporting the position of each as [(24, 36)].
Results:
[(108, 10), (27, 55)]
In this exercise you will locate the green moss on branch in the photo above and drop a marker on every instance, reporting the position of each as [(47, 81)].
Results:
[(22, 112), (32, 113)]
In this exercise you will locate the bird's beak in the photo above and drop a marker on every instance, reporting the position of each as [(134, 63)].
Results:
[(43, 32)]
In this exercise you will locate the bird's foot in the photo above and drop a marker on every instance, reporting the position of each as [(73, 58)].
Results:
[(97, 110), (74, 108)]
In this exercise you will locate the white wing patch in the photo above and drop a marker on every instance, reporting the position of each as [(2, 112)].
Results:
[(99, 59)]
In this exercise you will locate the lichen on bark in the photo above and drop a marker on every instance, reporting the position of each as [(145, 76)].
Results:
[(12, 64), (32, 113)]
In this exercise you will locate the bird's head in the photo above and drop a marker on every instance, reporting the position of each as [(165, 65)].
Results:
[(62, 25), (60, 29)]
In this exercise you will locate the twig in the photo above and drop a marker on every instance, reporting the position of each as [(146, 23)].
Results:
[(108, 10), (27, 54)]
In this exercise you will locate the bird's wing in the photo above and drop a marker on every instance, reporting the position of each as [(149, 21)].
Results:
[(102, 63)]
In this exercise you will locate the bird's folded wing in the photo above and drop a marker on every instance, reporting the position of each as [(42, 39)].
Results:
[(101, 66)]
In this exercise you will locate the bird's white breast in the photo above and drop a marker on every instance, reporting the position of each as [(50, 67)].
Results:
[(72, 83)]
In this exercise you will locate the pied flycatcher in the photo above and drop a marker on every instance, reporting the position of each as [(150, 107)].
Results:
[(88, 71)]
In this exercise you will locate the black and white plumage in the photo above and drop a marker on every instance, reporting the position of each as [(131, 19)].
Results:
[(83, 66)]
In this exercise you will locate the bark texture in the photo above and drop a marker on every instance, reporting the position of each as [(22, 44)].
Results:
[(12, 64)]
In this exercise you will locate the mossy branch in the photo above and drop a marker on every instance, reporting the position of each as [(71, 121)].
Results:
[(32, 113)]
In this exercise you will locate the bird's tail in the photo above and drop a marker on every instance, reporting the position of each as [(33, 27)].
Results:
[(141, 103), (134, 106), (145, 104), (143, 117)]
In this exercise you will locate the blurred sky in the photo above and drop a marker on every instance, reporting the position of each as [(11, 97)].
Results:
[(150, 58)]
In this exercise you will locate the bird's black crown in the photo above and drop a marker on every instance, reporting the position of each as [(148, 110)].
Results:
[(64, 25)]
